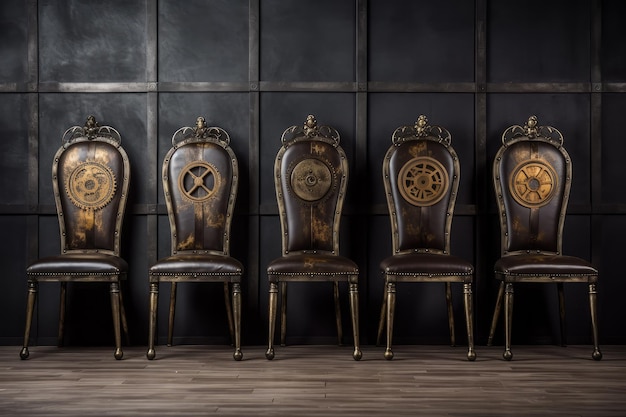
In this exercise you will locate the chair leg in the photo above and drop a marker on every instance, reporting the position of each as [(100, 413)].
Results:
[(508, 321), (496, 314), (354, 313), (154, 302), (30, 308), (172, 313), (597, 355), (236, 310), (229, 312), (338, 313), (283, 313), (469, 320), (115, 306), (450, 313), (123, 318), (383, 315), (391, 307), (273, 293), (559, 287), (62, 298)]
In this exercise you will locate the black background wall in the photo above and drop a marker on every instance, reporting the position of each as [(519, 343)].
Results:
[(365, 67)]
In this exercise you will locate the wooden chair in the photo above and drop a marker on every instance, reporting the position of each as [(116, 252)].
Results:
[(90, 179), (200, 178), (532, 176), (311, 175), (421, 176)]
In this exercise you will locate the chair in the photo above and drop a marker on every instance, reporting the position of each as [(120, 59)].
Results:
[(532, 175), (311, 174), (200, 177), (421, 176), (90, 178)]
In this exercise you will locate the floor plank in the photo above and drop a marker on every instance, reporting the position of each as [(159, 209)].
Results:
[(197, 380)]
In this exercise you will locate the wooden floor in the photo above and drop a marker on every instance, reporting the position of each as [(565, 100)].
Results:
[(313, 381)]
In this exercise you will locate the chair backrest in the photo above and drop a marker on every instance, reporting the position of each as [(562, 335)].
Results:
[(90, 178), (421, 177), (200, 178), (311, 176), (532, 175)]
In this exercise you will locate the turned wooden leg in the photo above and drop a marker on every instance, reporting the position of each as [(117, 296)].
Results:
[(30, 308), (354, 313), (273, 292), (597, 354), (237, 355), (115, 307), (154, 305), (508, 321), (469, 320), (391, 307)]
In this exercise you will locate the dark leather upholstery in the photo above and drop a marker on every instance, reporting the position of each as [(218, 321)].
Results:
[(200, 181), (90, 175), (421, 176), (412, 266), (311, 173), (532, 175)]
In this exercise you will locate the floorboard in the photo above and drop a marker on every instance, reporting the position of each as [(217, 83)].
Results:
[(195, 380)]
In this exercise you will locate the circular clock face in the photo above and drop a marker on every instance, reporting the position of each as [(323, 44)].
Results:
[(533, 183), (423, 181), (311, 179)]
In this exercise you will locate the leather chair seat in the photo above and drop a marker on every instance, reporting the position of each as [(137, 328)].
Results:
[(554, 266), (318, 265), (198, 264), (426, 264), (78, 263)]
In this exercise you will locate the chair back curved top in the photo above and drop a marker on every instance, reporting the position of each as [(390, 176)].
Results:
[(91, 174), (421, 178), (311, 174), (200, 179), (532, 176)]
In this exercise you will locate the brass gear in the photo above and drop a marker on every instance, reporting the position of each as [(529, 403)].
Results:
[(91, 185)]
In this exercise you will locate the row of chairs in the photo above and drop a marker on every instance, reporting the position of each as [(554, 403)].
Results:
[(532, 175)]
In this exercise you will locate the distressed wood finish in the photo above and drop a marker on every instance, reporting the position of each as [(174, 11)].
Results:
[(312, 381)]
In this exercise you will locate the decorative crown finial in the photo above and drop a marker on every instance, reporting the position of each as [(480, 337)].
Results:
[(200, 130), (91, 127), (420, 125), (310, 126), (530, 127)]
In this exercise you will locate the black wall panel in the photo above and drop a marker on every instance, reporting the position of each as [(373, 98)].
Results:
[(365, 67), (14, 148), (92, 41), (419, 42), (612, 148), (307, 40), (539, 41), (203, 41), (13, 41)]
